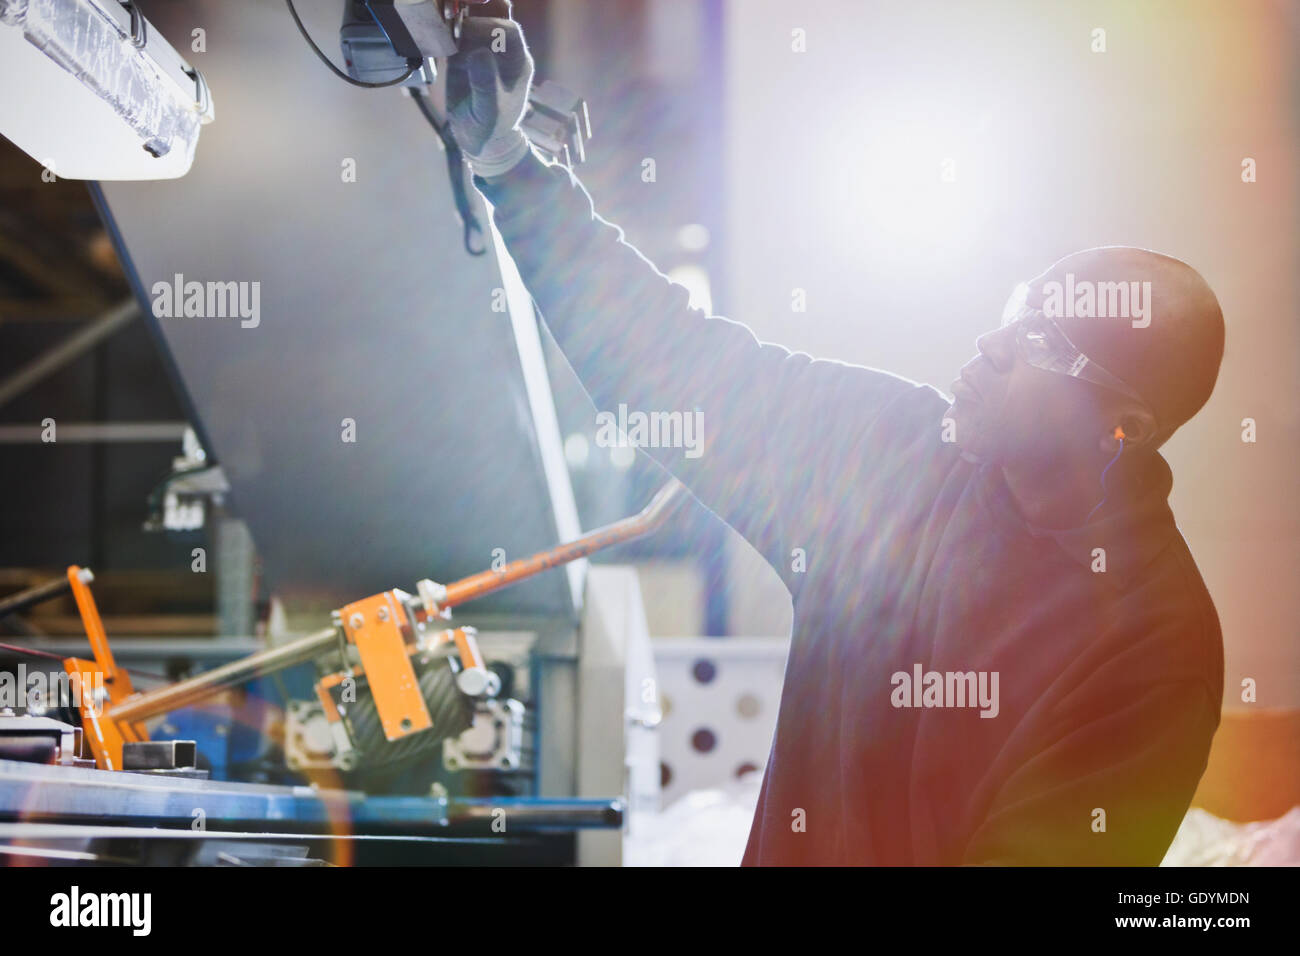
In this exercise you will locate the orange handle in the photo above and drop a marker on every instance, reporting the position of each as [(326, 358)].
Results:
[(485, 582)]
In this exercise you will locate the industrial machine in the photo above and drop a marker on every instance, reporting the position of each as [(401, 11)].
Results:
[(384, 404), (405, 686)]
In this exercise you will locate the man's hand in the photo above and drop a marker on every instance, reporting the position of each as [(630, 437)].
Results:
[(487, 93)]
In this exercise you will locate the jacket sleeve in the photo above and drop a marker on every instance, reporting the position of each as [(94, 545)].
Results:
[(1138, 759), (771, 420)]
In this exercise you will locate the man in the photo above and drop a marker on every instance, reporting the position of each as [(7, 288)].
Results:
[(1003, 652)]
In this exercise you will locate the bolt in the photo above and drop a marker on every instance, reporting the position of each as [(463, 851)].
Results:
[(356, 620), (383, 614)]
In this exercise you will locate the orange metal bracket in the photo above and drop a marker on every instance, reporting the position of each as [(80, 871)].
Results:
[(374, 625), (467, 646), (105, 736)]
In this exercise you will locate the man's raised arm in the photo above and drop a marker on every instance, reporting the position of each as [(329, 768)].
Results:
[(633, 339)]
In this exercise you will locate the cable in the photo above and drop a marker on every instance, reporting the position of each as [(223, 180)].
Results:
[(33, 652), (414, 64), (468, 220), (457, 173), (30, 650), (1104, 492)]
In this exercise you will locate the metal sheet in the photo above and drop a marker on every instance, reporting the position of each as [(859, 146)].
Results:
[(368, 309)]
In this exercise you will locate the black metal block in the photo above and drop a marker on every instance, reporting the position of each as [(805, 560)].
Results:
[(159, 755)]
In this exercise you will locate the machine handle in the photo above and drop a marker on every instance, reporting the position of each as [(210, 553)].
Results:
[(485, 582)]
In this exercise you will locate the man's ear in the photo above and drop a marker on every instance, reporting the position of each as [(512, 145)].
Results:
[(1136, 426)]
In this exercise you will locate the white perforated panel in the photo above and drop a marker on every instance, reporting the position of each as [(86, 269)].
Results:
[(720, 698)]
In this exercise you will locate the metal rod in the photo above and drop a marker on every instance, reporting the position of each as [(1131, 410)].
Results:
[(96, 432), (69, 350), (164, 699), (42, 592), (485, 582), (532, 813)]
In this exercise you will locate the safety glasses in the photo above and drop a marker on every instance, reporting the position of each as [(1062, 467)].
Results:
[(1043, 344)]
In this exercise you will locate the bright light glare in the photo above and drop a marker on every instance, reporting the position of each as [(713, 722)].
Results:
[(576, 450)]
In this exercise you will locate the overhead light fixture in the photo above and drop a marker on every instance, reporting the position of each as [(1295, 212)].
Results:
[(90, 90)]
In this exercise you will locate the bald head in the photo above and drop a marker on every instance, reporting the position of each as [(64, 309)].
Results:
[(1148, 318)]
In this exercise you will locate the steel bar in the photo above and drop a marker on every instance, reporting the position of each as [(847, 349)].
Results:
[(186, 692), (485, 582), (95, 432), (42, 592), (69, 350), (540, 813)]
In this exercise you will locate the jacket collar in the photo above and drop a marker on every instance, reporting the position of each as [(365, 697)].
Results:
[(1131, 535)]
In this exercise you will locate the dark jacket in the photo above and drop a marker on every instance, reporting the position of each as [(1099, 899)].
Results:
[(902, 556)]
